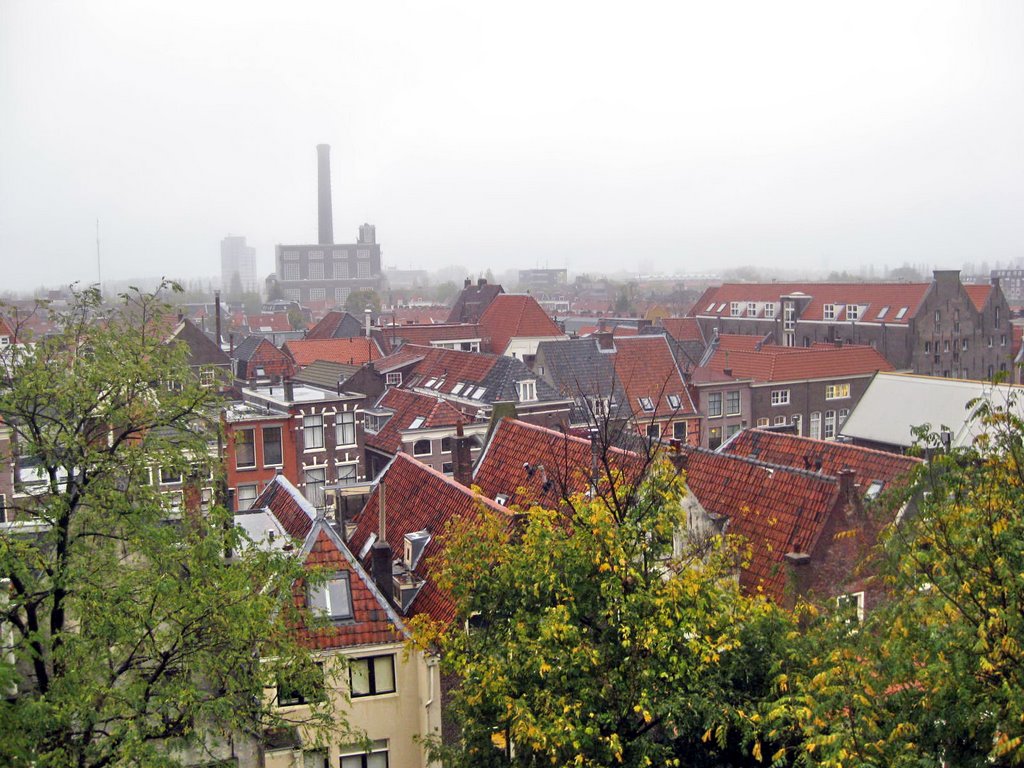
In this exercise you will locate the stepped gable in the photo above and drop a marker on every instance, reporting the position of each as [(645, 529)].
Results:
[(514, 315), (822, 361), (566, 462), (825, 456), (373, 620), (354, 351), (646, 368), (408, 406), (419, 498), (776, 509)]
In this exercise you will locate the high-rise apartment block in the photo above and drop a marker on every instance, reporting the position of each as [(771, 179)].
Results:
[(237, 260)]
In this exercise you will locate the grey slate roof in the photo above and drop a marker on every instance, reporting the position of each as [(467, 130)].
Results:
[(325, 374), (245, 349)]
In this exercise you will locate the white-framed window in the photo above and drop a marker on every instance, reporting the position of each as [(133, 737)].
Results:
[(679, 430), (3, 508), (853, 312), (883, 312), (313, 432), (732, 402), (853, 602), (245, 449), (315, 255), (245, 495), (828, 311), (421, 448), (345, 428), (376, 757), (316, 270), (769, 309), (348, 473), (205, 499), (527, 390), (292, 294), (780, 397), (207, 377), (796, 422), (815, 425), (290, 255), (714, 437), (5, 341), (341, 294), (714, 404), (333, 598), (316, 478), (169, 476), (732, 429), (479, 393), (272, 453), (646, 403), (735, 308), (393, 379), (751, 309), (844, 414), (830, 425), (363, 269), (1002, 340), (837, 391), (317, 294), (654, 431), (780, 421), (289, 271), (789, 317), (902, 313), (763, 422), (372, 675), (674, 402)]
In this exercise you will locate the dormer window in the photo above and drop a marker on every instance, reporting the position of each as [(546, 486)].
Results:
[(374, 421), (417, 422), (853, 312), (829, 311), (646, 403), (527, 390), (333, 599), (414, 545)]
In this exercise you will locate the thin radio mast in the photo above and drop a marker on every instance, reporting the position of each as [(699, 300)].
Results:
[(99, 272)]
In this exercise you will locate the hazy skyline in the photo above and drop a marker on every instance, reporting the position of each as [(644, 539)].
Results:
[(673, 137)]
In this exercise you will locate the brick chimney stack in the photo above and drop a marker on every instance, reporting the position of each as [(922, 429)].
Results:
[(462, 457), (381, 561), (324, 208)]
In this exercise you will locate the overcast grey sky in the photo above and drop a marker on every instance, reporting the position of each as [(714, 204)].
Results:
[(669, 136)]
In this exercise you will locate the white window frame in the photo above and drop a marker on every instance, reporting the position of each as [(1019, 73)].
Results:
[(751, 309), (769, 310), (528, 391), (280, 445), (716, 404), (857, 598), (764, 422), (853, 312), (828, 431), (350, 470), (239, 433), (735, 309), (242, 495), (815, 429), (428, 452), (372, 684), (733, 394), (780, 397), (646, 404), (393, 379), (828, 311), (344, 428), (340, 612), (361, 759), (312, 425), (837, 391)]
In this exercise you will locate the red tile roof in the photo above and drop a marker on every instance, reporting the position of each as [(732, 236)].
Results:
[(978, 294), (716, 302), (683, 328), (739, 342), (434, 362), (823, 361), (824, 456), (274, 322), (373, 622), (418, 498), (408, 406), (566, 462), (419, 315), (327, 325), (510, 316), (349, 351), (288, 505), (646, 368), (775, 509)]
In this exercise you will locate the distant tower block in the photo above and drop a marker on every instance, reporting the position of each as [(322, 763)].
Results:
[(326, 215)]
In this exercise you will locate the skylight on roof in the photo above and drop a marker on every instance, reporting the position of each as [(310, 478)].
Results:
[(417, 422), (874, 489), (479, 393), (674, 401), (458, 388), (370, 541), (883, 312), (901, 313), (646, 403), (721, 306), (430, 382), (711, 307)]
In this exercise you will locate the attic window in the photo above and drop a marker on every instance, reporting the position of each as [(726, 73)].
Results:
[(417, 422), (502, 499), (334, 598), (874, 489), (479, 393), (646, 403), (883, 312), (527, 390), (370, 541), (903, 311), (720, 308), (674, 401), (430, 382), (415, 543), (458, 388), (711, 307)]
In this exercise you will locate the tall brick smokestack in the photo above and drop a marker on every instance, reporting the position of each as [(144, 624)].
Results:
[(323, 155)]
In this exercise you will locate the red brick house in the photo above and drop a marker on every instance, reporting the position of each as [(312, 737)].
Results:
[(653, 387), (514, 324)]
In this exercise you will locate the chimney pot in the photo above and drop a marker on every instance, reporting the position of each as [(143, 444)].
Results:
[(482, 281)]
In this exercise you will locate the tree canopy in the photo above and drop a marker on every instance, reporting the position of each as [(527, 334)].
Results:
[(129, 637)]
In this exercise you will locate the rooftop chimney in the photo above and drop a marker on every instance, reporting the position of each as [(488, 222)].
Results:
[(216, 303), (462, 457), (323, 154), (380, 564)]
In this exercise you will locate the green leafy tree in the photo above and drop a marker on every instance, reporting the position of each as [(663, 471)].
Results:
[(129, 638), (359, 301), (934, 676), (594, 643)]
